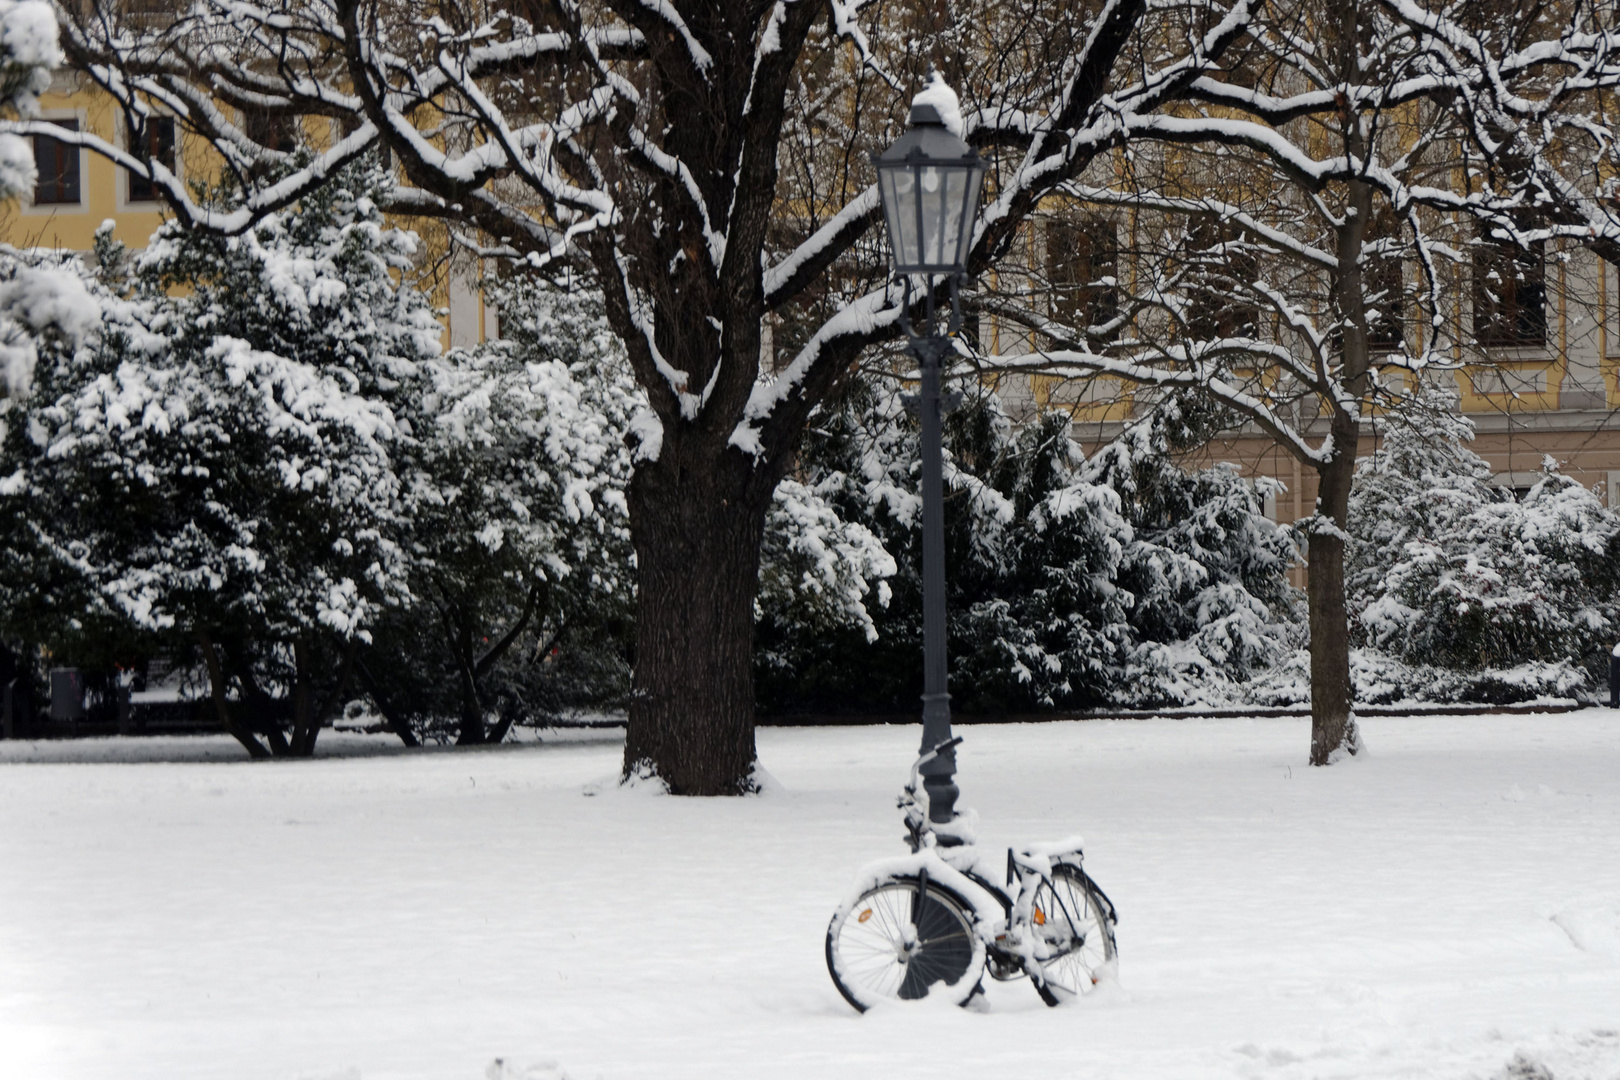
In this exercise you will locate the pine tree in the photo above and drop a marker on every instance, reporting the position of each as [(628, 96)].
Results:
[(1504, 598), (1122, 580), (1207, 569), (514, 524), (213, 471)]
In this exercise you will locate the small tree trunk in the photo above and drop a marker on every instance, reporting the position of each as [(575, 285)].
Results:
[(471, 731), (474, 674), (302, 743), (396, 720), (1333, 719), (697, 572), (460, 636), (216, 687), (324, 706), (259, 707)]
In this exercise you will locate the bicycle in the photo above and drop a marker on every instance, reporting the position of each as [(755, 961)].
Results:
[(941, 917)]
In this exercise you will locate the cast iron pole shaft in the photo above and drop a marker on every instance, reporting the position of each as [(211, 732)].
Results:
[(938, 774)]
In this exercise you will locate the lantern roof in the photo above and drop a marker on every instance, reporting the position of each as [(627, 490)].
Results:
[(934, 132)]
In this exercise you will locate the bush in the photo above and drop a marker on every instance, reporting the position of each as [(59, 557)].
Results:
[(1503, 598), (1123, 580)]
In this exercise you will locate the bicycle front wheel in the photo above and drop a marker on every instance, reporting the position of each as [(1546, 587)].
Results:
[(1071, 920), (899, 942)]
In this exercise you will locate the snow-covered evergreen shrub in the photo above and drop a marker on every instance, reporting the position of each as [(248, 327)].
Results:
[(1206, 568), (518, 540), (256, 451), (1380, 679), (216, 465), (48, 592), (38, 296), (1120, 580), (29, 49), (1507, 599), (817, 568)]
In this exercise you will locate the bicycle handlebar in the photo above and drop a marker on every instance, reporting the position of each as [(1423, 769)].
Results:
[(930, 755)]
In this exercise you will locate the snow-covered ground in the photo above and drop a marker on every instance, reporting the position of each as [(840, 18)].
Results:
[(1448, 906)]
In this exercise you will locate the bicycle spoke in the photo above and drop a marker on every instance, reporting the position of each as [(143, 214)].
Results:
[(874, 957), (1074, 932), (893, 921)]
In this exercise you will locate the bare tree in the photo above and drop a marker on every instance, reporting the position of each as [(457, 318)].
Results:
[(1307, 228)]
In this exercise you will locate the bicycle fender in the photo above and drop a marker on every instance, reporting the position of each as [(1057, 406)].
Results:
[(986, 909)]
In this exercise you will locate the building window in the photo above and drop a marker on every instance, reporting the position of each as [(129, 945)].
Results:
[(157, 147), (151, 12), (1082, 271), (1382, 284), (1222, 271), (273, 131), (1510, 295), (58, 165)]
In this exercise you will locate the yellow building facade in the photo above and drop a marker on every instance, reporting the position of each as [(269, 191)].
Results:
[(1556, 394), (79, 189)]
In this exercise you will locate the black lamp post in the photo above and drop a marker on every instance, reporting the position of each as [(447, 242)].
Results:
[(929, 181)]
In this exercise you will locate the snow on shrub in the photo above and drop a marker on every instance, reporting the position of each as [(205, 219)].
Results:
[(250, 452), (1207, 569), (819, 566), (1460, 592), (213, 468), (28, 51), (1120, 580), (42, 295), (518, 537), (1385, 681), (1506, 598), (38, 295)]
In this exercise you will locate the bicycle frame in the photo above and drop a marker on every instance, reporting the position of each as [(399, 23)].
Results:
[(1043, 916), (1013, 949)]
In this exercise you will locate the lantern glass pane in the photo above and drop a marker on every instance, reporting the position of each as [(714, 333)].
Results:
[(899, 189), (955, 196), (935, 213), (974, 179)]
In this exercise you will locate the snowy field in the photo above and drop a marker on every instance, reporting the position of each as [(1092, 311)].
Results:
[(1447, 907)]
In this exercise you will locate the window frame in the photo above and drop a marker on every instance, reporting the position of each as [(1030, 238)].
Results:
[(127, 199), (1387, 318), (31, 203), (1211, 314), (1071, 293), (1491, 255)]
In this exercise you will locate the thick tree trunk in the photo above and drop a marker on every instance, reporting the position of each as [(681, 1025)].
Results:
[(1333, 719), (697, 562)]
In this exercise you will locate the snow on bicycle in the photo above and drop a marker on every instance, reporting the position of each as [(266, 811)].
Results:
[(936, 920)]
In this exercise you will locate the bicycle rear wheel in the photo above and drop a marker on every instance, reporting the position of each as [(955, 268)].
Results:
[(873, 955), (1071, 919)]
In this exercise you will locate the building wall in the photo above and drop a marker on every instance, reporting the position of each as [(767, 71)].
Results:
[(451, 280), (103, 186)]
